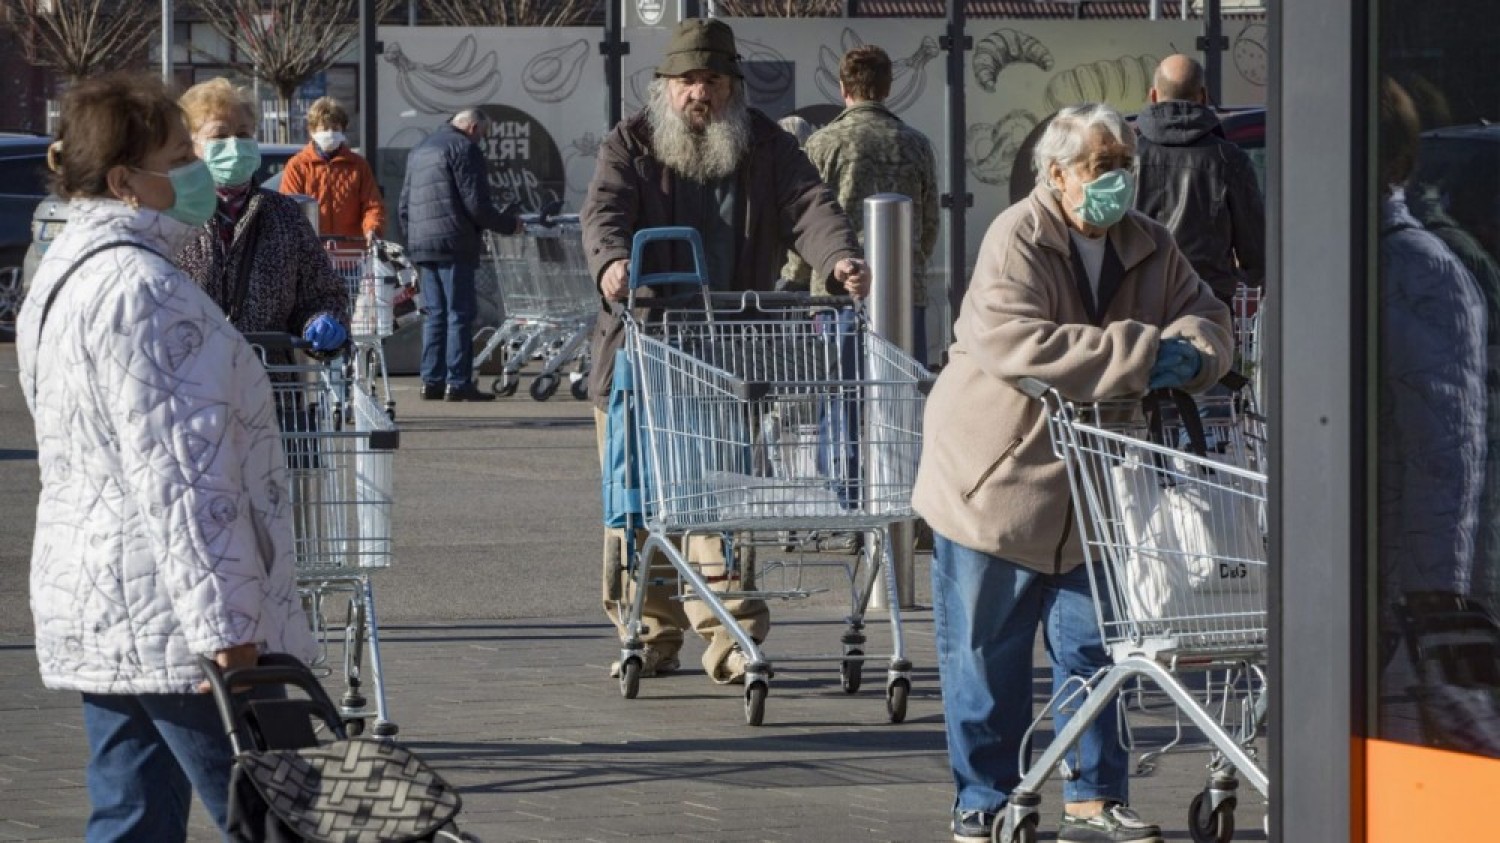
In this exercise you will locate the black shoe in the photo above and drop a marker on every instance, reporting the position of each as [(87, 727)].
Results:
[(467, 392), (973, 826), (432, 392), (1117, 823)]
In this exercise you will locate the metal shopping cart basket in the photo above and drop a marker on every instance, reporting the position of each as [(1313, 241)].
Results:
[(340, 448), (744, 415), (373, 275), (550, 304), (1176, 552)]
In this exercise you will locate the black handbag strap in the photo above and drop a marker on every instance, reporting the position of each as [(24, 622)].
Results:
[(247, 259), (1187, 411), (63, 281)]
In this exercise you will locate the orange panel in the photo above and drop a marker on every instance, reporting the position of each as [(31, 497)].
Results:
[(1419, 794)]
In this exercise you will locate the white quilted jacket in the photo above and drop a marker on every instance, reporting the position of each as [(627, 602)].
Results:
[(163, 530)]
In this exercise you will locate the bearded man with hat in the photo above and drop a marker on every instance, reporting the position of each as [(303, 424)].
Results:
[(697, 155)]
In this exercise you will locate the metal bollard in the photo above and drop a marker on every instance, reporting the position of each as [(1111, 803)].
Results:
[(309, 208), (888, 239)]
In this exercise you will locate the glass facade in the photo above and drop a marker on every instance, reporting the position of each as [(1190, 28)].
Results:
[(1434, 223)]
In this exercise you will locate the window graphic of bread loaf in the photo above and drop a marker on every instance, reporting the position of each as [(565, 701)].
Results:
[(1250, 56), (991, 148), (1123, 83), (1005, 47)]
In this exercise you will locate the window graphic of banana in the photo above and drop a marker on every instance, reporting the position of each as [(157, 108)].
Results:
[(1123, 83), (768, 75), (992, 147), (456, 82), (908, 75), (553, 75), (1005, 47)]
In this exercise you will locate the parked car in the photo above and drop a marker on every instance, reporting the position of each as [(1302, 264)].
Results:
[(23, 169), (51, 213)]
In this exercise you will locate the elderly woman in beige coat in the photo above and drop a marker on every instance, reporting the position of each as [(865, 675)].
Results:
[(1075, 289)]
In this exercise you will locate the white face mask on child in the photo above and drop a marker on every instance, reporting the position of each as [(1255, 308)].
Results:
[(328, 141)]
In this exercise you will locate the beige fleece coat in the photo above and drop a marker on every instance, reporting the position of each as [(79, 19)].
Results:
[(988, 478)]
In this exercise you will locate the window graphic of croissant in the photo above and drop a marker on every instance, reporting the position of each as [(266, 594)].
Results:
[(1005, 47), (1123, 83)]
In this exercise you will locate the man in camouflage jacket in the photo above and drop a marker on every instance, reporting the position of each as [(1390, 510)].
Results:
[(868, 150)]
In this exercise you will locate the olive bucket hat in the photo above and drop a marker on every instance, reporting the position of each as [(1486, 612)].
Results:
[(701, 44)]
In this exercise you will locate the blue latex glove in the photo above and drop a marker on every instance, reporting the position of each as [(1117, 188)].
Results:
[(1177, 363), (325, 333)]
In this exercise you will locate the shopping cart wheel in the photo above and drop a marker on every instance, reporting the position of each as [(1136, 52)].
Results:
[(895, 699), (1211, 826), (755, 703), (580, 389), (543, 387), (354, 726), (851, 671), (1024, 833), (630, 678), (505, 385)]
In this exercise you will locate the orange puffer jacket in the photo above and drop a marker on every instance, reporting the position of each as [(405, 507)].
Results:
[(344, 185)]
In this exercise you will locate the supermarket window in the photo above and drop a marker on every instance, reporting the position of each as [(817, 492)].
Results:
[(1436, 215)]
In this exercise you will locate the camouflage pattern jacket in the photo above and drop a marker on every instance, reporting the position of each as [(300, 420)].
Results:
[(868, 150)]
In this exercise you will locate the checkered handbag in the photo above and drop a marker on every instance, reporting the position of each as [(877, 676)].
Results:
[(348, 791)]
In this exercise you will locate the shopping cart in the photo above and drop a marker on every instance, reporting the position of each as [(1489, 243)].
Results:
[(373, 274), (340, 448), (1176, 553), (746, 415), (550, 304)]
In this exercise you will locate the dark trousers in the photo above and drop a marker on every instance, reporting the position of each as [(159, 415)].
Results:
[(449, 304)]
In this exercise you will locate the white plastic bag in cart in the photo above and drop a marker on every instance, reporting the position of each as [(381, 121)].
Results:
[(1194, 548), (374, 306)]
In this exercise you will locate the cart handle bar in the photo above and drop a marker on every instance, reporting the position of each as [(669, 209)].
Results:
[(270, 669)]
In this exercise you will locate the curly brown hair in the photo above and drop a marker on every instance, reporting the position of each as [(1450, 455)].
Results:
[(865, 73), (114, 120)]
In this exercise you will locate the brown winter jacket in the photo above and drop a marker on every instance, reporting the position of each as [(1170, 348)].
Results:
[(348, 198), (988, 479), (782, 203)]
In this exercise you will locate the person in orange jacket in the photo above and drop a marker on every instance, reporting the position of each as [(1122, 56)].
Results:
[(349, 204)]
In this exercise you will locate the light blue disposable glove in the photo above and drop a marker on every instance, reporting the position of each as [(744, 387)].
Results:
[(325, 333), (1177, 363)]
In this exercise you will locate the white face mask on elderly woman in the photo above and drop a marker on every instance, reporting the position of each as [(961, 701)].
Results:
[(328, 141)]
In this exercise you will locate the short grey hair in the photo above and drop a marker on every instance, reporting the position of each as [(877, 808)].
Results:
[(469, 118), (796, 126), (1067, 136)]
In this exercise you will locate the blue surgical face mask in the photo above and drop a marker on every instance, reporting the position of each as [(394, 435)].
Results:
[(193, 187), (231, 161), (1106, 199)]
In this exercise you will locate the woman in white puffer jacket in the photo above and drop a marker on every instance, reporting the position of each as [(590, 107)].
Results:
[(163, 531)]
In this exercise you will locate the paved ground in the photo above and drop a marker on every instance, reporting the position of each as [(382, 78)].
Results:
[(496, 660)]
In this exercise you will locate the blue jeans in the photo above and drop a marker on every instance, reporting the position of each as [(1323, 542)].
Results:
[(985, 613), (449, 304), (147, 754)]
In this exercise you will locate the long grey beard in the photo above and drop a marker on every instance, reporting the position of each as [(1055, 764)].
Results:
[(712, 154)]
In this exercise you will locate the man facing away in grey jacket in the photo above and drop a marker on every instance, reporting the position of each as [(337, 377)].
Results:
[(445, 205)]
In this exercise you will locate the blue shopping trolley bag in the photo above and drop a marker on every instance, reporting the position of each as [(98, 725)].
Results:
[(624, 505)]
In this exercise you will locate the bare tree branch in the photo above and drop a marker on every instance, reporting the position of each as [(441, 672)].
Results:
[(79, 38), (284, 43), (781, 8), (515, 12)]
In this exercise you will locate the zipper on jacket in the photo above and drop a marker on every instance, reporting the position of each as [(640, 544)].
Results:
[(979, 484), (1062, 542)]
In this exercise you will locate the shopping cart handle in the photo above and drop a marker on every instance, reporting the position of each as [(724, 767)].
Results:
[(667, 234), (276, 341), (1034, 388)]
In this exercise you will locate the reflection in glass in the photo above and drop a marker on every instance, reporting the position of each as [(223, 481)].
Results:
[(1438, 421)]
